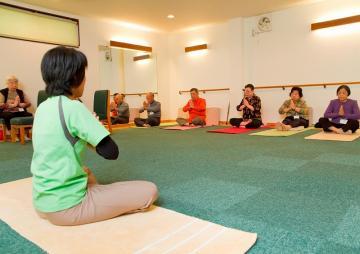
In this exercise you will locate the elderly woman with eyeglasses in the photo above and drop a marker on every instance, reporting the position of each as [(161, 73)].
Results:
[(342, 115)]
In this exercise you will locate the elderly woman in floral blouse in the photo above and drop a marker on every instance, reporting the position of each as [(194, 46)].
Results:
[(250, 105), (296, 111)]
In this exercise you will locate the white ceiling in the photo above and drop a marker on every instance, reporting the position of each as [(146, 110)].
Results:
[(153, 13)]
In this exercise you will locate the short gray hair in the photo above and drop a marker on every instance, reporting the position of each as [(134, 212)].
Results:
[(11, 78)]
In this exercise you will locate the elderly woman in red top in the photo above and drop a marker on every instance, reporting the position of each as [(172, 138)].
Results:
[(196, 107)]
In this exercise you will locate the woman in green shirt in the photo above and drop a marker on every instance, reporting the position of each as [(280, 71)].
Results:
[(65, 191), (295, 110)]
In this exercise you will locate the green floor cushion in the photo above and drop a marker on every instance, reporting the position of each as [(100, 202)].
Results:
[(26, 120)]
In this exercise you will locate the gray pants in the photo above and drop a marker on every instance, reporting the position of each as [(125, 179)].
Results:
[(104, 202), (119, 120), (152, 121)]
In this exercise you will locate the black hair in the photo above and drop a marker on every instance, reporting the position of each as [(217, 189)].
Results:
[(344, 87), (298, 89), (251, 86), (194, 90), (62, 69), (123, 95)]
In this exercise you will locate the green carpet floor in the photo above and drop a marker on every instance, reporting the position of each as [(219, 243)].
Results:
[(300, 196)]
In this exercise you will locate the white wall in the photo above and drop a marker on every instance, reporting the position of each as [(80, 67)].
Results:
[(218, 67), (23, 58), (124, 75), (112, 71), (140, 76), (290, 53)]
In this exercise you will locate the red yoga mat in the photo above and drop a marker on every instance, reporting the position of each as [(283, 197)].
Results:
[(232, 130)]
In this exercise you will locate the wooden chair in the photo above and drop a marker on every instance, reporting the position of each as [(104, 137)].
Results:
[(20, 124), (102, 107), (3, 128)]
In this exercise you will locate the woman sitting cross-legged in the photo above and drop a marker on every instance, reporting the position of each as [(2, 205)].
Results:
[(196, 107), (250, 105), (65, 191), (295, 110), (13, 101), (342, 115)]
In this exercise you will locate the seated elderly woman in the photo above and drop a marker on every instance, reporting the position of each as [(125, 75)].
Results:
[(295, 110), (342, 114), (196, 107), (119, 110), (250, 105), (13, 102)]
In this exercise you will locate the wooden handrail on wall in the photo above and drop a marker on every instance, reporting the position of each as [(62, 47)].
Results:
[(206, 90), (138, 94), (308, 85), (263, 87)]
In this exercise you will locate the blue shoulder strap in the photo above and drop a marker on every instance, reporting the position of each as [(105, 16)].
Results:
[(69, 137)]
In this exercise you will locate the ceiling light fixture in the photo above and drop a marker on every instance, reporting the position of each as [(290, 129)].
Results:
[(170, 16)]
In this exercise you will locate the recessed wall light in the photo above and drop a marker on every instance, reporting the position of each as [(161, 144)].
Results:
[(335, 22), (142, 57), (196, 48), (170, 16), (125, 45)]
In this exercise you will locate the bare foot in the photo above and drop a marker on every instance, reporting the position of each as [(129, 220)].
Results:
[(286, 127), (299, 128), (336, 130), (279, 126)]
